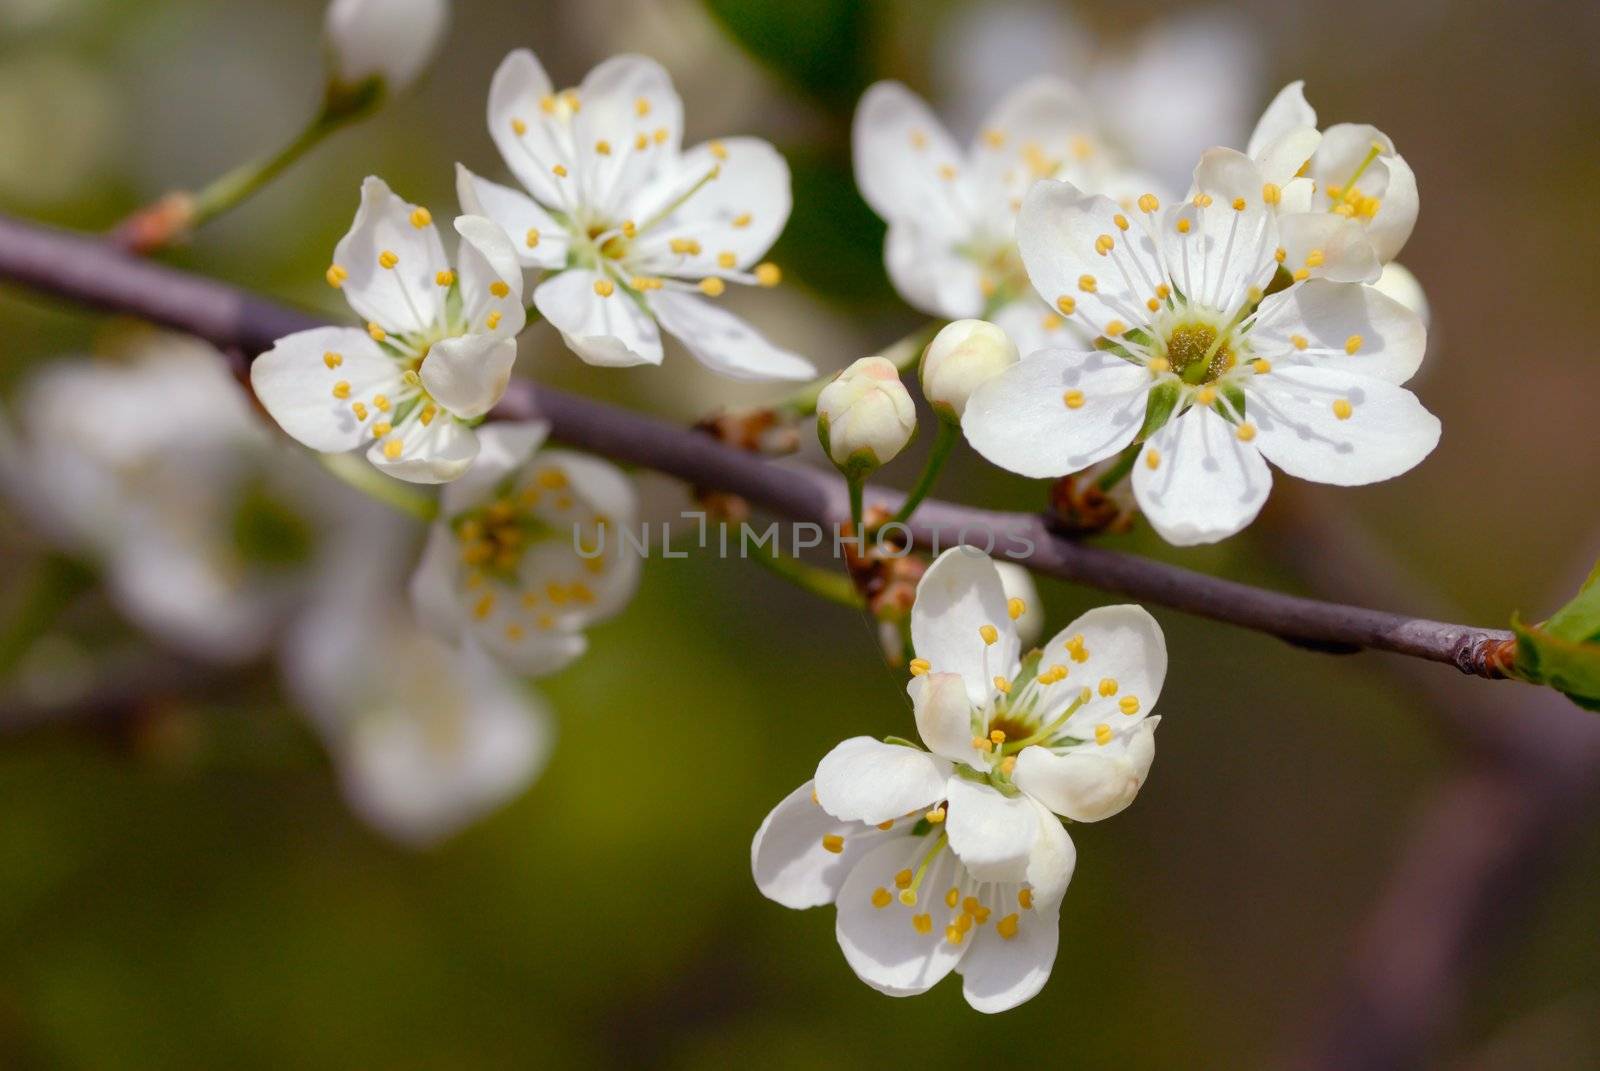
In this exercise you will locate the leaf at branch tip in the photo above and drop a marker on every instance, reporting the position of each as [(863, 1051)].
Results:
[(1564, 651)]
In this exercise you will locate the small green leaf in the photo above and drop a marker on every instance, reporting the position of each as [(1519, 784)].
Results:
[(1563, 652)]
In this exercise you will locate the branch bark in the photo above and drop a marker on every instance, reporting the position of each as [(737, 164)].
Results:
[(91, 272)]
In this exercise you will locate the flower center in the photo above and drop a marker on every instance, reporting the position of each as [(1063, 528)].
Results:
[(1199, 352), (494, 537)]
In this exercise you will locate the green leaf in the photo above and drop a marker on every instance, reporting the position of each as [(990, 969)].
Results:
[(1563, 652)]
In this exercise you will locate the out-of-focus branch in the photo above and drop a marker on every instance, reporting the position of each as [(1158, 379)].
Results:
[(93, 273)]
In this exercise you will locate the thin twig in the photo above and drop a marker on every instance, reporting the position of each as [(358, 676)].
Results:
[(90, 272)]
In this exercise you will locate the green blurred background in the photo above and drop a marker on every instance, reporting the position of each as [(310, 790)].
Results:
[(186, 888)]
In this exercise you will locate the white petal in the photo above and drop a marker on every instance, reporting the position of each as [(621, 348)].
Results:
[(899, 148), (1057, 231), (1033, 326), (536, 653), (740, 212), (611, 331), (403, 299), (296, 386), (1044, 118), (866, 780), (1287, 112), (623, 98), (1020, 419), (944, 714), (491, 278), (1283, 157), (394, 40), (1332, 318), (1399, 283), (993, 834), (1091, 781), (959, 595), (1338, 245), (930, 273), (514, 95), (1226, 252), (723, 342), (1054, 858), (1118, 650), (504, 447), (787, 857), (1018, 583), (610, 493), (1000, 973), (882, 945), (435, 586), (1296, 412), (1397, 215), (436, 453), (1206, 485), (520, 216), (468, 375)]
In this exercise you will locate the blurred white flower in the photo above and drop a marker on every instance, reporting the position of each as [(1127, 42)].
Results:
[(963, 356), (1218, 380), (390, 40), (637, 232), (865, 416), (436, 354), (529, 551), (428, 736), (923, 850), (157, 468), (951, 248)]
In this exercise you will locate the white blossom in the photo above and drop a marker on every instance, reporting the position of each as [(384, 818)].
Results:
[(865, 416), (436, 353), (954, 858), (637, 234), (963, 356), (391, 40)]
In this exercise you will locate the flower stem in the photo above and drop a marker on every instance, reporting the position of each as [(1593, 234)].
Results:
[(856, 484), (355, 471), (903, 354), (1119, 471), (833, 587), (943, 441)]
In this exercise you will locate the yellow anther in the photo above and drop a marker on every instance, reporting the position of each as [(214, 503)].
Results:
[(1205, 396), (964, 921), (630, 229), (1261, 365), (1087, 284), (1159, 366), (711, 286), (1102, 734), (994, 138), (359, 409), (1008, 764), (514, 632), (902, 880), (935, 816), (332, 360), (1073, 399), (1271, 193), (1301, 275), (641, 107), (990, 634), (377, 333), (718, 150), (1115, 328), (381, 401), (604, 287), (981, 743), (1280, 254), (1238, 204), (947, 172), (336, 276), (1025, 899), (560, 171), (551, 479), (1067, 305), (602, 147), (952, 898), (726, 259), (1016, 608), (1152, 458), (919, 666), (1245, 431), (1299, 342), (1163, 291), (1051, 322), (392, 449), (484, 607), (341, 389), (1129, 705), (445, 278), (1202, 200), (410, 377), (1314, 258), (881, 897), (997, 736), (1153, 305), (923, 924), (1345, 210), (641, 142), (519, 128), (1183, 226), (429, 411), (532, 238), (1121, 221), (1076, 649), (381, 428), (953, 935), (908, 897), (1342, 408), (1352, 344), (1007, 927), (421, 217), (1149, 202), (742, 220), (492, 320), (388, 259), (660, 135), (887, 825), (768, 274), (832, 842), (1108, 686), (499, 288), (1104, 244)]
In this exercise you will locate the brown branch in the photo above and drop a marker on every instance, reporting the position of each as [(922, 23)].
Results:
[(93, 273)]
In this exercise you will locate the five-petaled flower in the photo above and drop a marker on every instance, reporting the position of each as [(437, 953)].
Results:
[(1195, 359), (954, 858), (436, 354), (951, 250), (636, 231), (528, 550)]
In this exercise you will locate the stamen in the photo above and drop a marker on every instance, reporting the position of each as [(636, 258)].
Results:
[(831, 842), (1342, 409), (1073, 399), (1129, 705), (421, 217), (919, 666)]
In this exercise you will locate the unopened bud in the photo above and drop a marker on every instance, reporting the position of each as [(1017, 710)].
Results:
[(865, 416), (390, 40), (960, 359)]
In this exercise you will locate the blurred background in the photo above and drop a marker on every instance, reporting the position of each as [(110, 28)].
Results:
[(182, 882)]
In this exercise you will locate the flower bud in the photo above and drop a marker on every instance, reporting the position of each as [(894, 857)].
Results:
[(389, 40), (1021, 592), (960, 359), (865, 416)]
